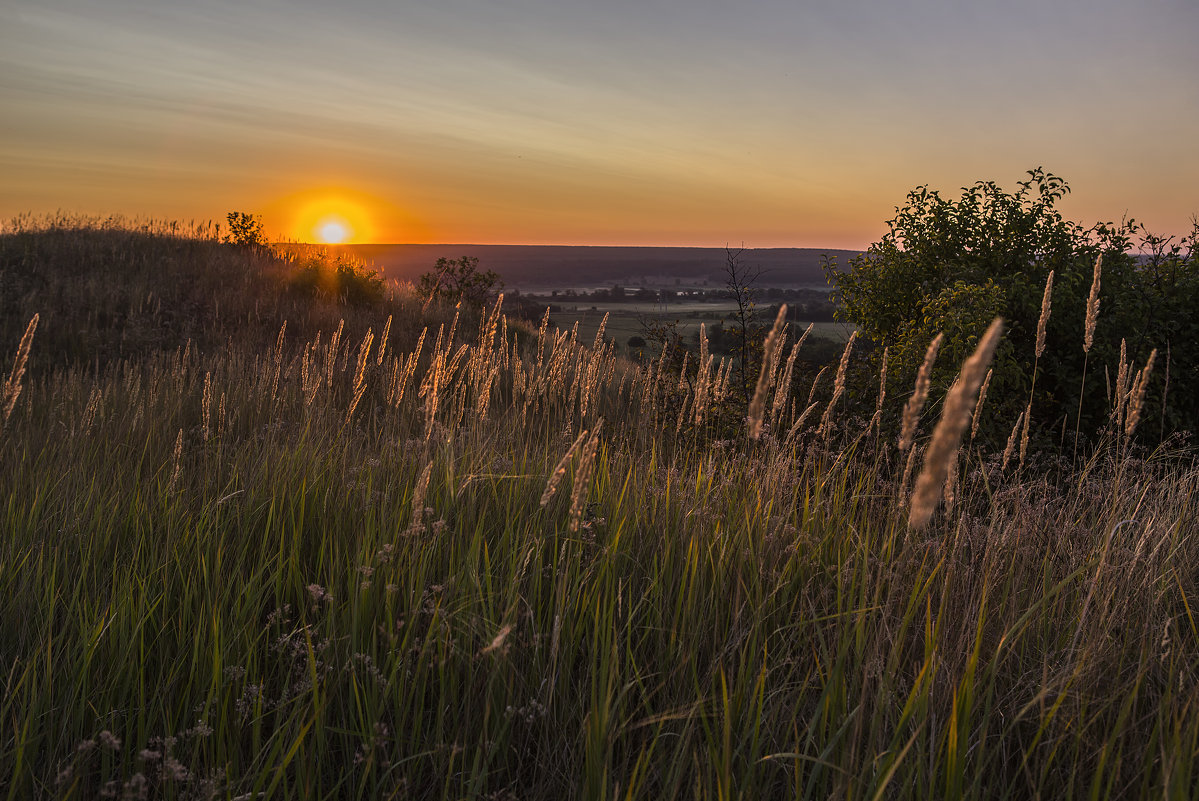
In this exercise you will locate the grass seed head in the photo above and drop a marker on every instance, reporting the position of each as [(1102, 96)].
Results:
[(826, 421), (1043, 321), (13, 386), (551, 486), (757, 406), (1137, 399), (915, 404), (947, 436), (978, 407), (1092, 307)]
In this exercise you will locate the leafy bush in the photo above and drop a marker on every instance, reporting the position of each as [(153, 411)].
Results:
[(460, 280), (341, 280), (951, 266), (245, 230)]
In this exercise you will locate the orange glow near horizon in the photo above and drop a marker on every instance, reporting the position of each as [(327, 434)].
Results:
[(328, 218)]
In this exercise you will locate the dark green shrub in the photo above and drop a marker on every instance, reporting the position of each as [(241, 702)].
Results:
[(950, 266)]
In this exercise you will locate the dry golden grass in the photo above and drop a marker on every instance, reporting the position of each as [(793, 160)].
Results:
[(947, 436), (1092, 307), (1043, 320), (915, 404), (826, 420), (757, 406), (12, 385)]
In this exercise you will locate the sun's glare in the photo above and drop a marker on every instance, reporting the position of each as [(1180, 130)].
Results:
[(330, 218), (333, 230)]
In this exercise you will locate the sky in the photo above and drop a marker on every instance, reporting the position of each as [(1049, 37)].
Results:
[(763, 123)]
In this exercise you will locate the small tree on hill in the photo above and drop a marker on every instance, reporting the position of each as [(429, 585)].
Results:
[(245, 230), (460, 280), (745, 331)]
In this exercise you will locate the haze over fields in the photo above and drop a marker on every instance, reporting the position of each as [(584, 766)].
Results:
[(554, 266)]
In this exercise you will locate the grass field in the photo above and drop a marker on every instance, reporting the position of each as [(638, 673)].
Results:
[(626, 320), (414, 554)]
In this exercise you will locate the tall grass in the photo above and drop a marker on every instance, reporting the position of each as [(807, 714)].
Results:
[(323, 564)]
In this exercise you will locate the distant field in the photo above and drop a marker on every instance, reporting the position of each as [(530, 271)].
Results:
[(650, 307), (624, 321), (544, 265)]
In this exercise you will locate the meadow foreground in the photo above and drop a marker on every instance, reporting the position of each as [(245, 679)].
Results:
[(403, 550)]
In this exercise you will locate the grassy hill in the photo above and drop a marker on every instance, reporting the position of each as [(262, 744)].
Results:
[(399, 551)]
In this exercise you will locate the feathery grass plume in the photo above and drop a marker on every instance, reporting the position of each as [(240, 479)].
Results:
[(947, 435), (91, 410), (1011, 443), (481, 358), (364, 353), (360, 373), (13, 386), (684, 408), (582, 482), (599, 333), (915, 404), (783, 392), (758, 405), (826, 421), (800, 421), (701, 375), (551, 486), (978, 407), (725, 372), (913, 454), (816, 383), (278, 360), (498, 642), (1121, 387), (682, 385), (1024, 436), (206, 407), (541, 331), (418, 499), (1137, 397), (877, 417), (1087, 340), (383, 342), (1043, 321), (400, 385), (431, 390), (951, 482), (777, 358), (1092, 308), (331, 354), (177, 463), (504, 340)]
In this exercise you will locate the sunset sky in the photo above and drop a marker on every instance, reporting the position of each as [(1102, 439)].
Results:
[(638, 122)]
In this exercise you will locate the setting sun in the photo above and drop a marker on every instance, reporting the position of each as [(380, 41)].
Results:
[(333, 231), (329, 217)]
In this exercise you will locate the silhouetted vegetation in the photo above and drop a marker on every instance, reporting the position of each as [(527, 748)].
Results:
[(947, 266), (461, 279)]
